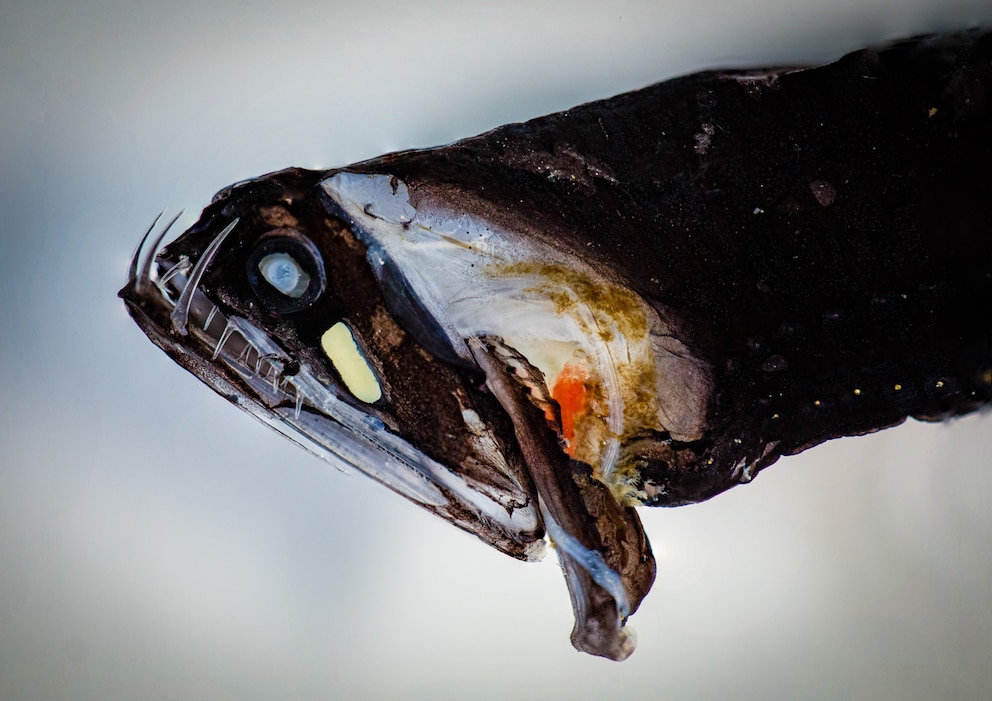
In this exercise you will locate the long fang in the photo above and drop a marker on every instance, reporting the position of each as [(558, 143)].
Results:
[(144, 275), (132, 271), (180, 314)]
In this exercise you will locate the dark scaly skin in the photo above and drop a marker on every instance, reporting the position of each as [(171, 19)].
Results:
[(822, 237)]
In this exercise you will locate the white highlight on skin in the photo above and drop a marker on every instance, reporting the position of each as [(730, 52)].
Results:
[(283, 272), (354, 369)]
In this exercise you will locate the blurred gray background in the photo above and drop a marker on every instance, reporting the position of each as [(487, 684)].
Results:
[(156, 543)]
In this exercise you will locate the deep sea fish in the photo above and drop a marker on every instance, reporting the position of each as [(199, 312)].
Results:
[(642, 301)]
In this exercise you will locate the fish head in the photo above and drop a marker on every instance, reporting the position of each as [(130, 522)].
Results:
[(470, 365), (271, 300)]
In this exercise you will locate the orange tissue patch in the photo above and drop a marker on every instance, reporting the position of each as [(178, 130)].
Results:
[(570, 393)]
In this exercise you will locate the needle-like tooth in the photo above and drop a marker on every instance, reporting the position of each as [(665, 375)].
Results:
[(298, 407), (210, 317), (180, 314), (245, 352), (173, 271), (144, 274), (274, 361), (226, 334), (132, 270)]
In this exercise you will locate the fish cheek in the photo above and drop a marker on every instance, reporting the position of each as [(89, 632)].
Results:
[(419, 392), (417, 388), (423, 392), (438, 407)]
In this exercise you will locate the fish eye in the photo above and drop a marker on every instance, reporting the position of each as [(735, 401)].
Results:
[(285, 271)]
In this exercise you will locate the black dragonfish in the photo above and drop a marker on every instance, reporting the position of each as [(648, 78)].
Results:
[(642, 301)]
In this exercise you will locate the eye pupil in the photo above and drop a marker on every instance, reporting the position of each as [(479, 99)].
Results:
[(286, 275)]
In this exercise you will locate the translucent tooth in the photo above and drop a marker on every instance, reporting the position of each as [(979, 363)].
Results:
[(299, 403), (144, 274), (245, 352), (180, 314), (210, 317), (228, 330), (179, 267), (132, 271)]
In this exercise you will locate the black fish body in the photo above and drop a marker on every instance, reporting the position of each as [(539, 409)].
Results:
[(640, 301), (815, 232)]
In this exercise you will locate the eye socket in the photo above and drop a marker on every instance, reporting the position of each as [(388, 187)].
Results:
[(285, 270)]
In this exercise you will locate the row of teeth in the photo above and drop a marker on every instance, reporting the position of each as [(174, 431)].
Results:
[(178, 287), (234, 345)]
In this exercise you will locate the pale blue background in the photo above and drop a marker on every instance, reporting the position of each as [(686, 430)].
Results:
[(155, 543)]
